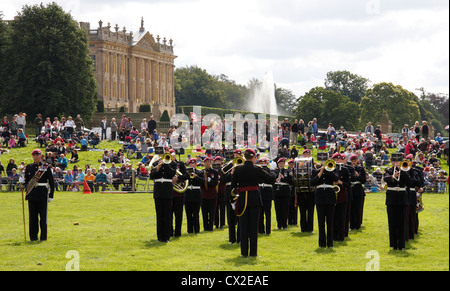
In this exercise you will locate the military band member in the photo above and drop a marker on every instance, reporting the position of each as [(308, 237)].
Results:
[(282, 193), (266, 189), (219, 219), (411, 217), (397, 201), (178, 198), (163, 175), (305, 198), (292, 210), (233, 221), (325, 200), (356, 213), (38, 195), (341, 199), (210, 179), (347, 163), (244, 182), (193, 198)]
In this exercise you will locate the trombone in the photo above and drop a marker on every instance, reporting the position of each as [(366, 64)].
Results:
[(235, 162), (405, 166)]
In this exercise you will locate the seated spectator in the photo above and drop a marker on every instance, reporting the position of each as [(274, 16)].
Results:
[(383, 159), (22, 138), (79, 179), (90, 179), (84, 143), (131, 149), (14, 179), (74, 157), (109, 176), (441, 179), (68, 180), (95, 140), (6, 135), (433, 161), (117, 179), (439, 138), (12, 142), (58, 177), (62, 162), (100, 180)]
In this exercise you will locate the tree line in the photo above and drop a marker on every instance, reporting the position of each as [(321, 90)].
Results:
[(345, 99)]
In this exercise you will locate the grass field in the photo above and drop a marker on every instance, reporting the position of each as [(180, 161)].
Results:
[(118, 232)]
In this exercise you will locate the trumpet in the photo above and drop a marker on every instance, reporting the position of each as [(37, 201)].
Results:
[(330, 165), (228, 166), (191, 173)]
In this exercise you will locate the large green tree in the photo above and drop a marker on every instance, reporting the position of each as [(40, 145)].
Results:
[(397, 102), (349, 84), (328, 106), (48, 68)]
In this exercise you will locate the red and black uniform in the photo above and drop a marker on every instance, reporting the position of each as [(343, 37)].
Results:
[(209, 178)]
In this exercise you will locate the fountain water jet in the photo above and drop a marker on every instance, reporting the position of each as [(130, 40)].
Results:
[(262, 96)]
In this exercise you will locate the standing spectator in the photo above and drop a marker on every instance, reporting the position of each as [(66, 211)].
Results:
[(330, 130), (113, 129), (151, 125), (286, 129), (315, 127), (294, 131), (79, 124), (21, 120), (38, 122), (369, 128), (70, 124), (104, 127), (405, 131), (439, 138), (144, 125), (123, 122), (5, 122), (417, 129), (425, 130)]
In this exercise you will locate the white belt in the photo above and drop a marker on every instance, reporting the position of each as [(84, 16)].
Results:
[(412, 189), (42, 184), (398, 189), (194, 187), (325, 186), (356, 183), (265, 185), (163, 180), (228, 184), (282, 184)]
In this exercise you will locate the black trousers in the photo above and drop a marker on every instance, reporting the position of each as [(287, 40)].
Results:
[(208, 207), (325, 217), (193, 216), (37, 213), (281, 210), (177, 212), (292, 211), (397, 225), (339, 221), (265, 216), (233, 235), (356, 211), (248, 225), (163, 209), (305, 202), (219, 219)]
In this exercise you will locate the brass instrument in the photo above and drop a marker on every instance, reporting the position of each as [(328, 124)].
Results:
[(336, 188), (167, 158), (330, 165), (191, 173), (235, 162), (419, 203), (405, 166), (180, 187)]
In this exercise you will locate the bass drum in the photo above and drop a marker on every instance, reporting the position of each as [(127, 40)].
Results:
[(419, 204)]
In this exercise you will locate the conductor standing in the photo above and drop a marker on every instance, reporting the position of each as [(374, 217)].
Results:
[(244, 183), (40, 188)]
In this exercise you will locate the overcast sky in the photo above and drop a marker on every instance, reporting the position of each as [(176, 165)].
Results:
[(299, 41)]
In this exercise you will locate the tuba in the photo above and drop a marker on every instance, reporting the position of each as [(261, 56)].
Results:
[(180, 187), (235, 162), (330, 165), (419, 203), (167, 158)]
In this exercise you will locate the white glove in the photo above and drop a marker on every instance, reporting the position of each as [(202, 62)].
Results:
[(50, 200)]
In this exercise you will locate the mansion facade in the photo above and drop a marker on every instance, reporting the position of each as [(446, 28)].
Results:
[(132, 69)]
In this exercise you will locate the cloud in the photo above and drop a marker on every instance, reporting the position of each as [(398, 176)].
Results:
[(404, 42)]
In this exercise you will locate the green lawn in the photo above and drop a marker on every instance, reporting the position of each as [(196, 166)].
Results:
[(118, 232)]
